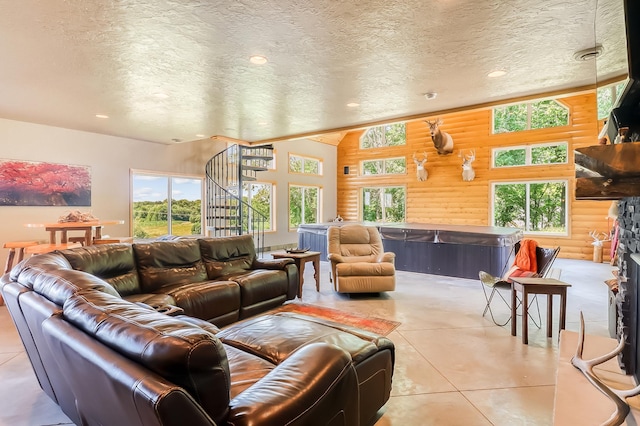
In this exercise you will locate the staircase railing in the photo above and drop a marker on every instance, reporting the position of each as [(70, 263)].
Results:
[(227, 213)]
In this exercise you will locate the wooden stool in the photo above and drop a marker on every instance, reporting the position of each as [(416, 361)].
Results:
[(113, 240), (12, 246), (81, 240)]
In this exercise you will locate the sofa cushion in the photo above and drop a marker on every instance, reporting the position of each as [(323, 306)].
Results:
[(179, 351), (59, 285), (365, 269), (114, 263), (246, 369), (207, 300), (224, 256), (162, 263), (259, 285)]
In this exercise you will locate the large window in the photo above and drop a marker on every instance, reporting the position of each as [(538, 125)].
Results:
[(305, 165), (385, 166), (383, 204), (534, 207), (530, 155), (383, 136), (155, 213), (304, 205), (259, 195), (529, 116)]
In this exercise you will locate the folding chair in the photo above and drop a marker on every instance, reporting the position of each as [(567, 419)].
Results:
[(544, 258)]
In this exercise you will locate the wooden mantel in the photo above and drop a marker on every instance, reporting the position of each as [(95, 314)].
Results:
[(608, 172)]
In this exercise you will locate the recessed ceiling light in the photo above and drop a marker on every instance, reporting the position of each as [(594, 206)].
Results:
[(161, 95), (262, 123), (496, 73), (430, 95), (258, 60), (588, 54), (199, 135), (101, 116), (353, 104)]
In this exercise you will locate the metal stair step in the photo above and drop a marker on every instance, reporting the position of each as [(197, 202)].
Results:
[(254, 168)]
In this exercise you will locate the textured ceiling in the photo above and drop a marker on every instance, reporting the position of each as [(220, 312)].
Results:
[(63, 61)]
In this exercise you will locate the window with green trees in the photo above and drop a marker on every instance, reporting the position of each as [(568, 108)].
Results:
[(155, 213), (529, 116), (306, 165), (607, 97), (383, 204), (258, 195), (534, 207), (304, 205), (384, 136), (385, 166), (547, 153)]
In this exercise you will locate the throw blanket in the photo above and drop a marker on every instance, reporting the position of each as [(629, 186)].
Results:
[(525, 264)]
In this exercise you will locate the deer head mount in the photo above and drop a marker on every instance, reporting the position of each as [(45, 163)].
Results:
[(420, 169), (468, 174), (442, 141)]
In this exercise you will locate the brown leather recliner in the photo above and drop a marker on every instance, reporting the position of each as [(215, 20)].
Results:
[(358, 261)]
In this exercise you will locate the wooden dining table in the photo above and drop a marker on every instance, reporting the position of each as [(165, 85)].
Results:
[(92, 229)]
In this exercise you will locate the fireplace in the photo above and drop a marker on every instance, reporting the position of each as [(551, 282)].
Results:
[(628, 297)]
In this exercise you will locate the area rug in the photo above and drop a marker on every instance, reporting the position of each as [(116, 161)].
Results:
[(375, 325)]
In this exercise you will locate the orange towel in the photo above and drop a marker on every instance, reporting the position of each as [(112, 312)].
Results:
[(525, 264), (526, 256)]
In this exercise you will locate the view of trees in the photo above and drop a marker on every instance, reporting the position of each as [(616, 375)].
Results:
[(386, 166), (150, 218), (388, 135), (534, 115), (539, 154), (258, 196), (607, 96), (545, 212), (386, 204), (304, 202)]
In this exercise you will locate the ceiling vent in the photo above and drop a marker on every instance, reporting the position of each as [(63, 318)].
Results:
[(588, 54)]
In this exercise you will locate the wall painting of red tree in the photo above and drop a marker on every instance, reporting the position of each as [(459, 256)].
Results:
[(28, 183)]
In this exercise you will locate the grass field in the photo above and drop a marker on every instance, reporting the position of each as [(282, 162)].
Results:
[(156, 229)]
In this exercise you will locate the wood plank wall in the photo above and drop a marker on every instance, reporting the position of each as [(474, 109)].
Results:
[(446, 199)]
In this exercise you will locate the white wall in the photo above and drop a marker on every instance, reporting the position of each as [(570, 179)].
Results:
[(111, 158), (282, 178)]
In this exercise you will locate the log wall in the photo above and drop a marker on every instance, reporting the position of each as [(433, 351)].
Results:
[(445, 198)]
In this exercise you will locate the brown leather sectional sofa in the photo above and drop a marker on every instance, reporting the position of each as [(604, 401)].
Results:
[(128, 334)]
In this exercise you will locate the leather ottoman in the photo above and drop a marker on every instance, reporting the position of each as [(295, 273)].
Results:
[(282, 333)]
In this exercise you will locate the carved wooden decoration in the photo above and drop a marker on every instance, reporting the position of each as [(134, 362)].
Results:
[(608, 172)]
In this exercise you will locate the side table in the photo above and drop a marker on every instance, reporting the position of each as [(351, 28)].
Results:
[(300, 259), (527, 286)]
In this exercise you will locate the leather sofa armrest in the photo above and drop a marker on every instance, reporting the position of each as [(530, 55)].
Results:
[(315, 385), (279, 264)]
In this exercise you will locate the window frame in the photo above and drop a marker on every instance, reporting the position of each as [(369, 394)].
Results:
[(383, 187), (169, 176), (527, 154), (529, 105), (528, 182), (306, 158), (384, 166), (319, 203)]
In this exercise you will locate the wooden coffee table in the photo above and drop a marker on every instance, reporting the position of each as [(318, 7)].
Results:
[(300, 259), (527, 286)]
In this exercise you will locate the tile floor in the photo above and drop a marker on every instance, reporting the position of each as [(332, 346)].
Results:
[(453, 367)]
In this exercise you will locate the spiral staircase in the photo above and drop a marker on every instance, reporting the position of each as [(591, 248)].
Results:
[(226, 211)]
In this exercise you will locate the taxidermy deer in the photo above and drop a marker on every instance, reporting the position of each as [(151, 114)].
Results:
[(468, 174), (421, 171), (441, 140)]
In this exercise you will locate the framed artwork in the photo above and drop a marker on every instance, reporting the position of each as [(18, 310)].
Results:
[(30, 183)]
